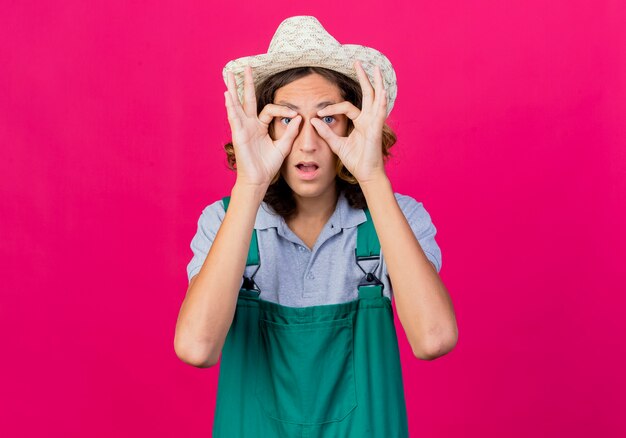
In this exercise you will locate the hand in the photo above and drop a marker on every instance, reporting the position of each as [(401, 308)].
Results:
[(361, 152), (258, 157)]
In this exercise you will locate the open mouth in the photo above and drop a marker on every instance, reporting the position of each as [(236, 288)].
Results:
[(307, 167), (307, 170)]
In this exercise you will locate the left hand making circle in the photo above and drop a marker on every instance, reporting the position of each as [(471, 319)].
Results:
[(360, 152)]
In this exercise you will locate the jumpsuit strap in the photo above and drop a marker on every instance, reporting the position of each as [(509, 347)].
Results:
[(249, 287), (368, 248)]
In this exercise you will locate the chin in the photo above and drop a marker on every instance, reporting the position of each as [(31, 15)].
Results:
[(304, 191), (309, 189), (308, 193)]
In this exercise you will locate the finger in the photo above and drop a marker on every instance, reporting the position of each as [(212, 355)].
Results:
[(270, 111), (381, 97), (327, 134), (248, 91), (234, 97), (382, 114), (286, 140), (345, 107), (378, 86), (366, 86), (233, 119)]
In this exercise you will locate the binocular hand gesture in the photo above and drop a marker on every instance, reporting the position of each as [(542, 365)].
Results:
[(361, 152), (258, 157)]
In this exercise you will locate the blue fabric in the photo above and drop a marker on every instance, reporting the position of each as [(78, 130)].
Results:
[(292, 274)]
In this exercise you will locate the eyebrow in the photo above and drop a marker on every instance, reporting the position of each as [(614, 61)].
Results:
[(319, 105)]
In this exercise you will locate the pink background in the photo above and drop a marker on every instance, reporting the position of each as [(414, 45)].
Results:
[(510, 118)]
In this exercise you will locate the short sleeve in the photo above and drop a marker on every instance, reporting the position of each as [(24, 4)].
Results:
[(208, 224), (423, 228)]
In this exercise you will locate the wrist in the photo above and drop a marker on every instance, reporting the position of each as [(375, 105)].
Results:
[(251, 192), (376, 180), (377, 191)]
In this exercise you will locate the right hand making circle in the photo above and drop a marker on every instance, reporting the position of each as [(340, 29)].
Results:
[(259, 158)]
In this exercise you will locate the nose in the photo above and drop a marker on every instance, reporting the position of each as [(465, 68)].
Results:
[(308, 139)]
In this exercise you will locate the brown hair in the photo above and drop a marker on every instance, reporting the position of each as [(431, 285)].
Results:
[(279, 195)]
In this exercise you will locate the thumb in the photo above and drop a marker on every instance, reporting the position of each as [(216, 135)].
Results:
[(286, 141), (327, 134)]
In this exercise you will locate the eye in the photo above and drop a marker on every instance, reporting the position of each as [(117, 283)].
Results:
[(327, 119)]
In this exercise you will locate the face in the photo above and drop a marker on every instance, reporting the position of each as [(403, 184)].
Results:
[(310, 167)]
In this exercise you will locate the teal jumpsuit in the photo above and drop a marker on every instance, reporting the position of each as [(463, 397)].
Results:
[(312, 372)]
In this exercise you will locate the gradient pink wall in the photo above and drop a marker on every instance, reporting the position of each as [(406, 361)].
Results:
[(510, 117)]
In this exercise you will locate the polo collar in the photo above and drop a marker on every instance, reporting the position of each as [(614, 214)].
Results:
[(344, 216)]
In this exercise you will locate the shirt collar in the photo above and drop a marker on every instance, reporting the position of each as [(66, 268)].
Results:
[(344, 216)]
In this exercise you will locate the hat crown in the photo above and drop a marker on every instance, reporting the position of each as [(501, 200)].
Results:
[(297, 34)]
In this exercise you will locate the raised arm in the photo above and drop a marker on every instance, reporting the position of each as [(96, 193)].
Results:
[(209, 305), (422, 300)]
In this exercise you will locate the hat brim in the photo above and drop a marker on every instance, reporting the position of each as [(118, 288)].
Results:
[(340, 59)]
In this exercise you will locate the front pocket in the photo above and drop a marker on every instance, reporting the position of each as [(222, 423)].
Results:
[(305, 373)]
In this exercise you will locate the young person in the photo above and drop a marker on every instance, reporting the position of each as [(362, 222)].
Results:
[(293, 274)]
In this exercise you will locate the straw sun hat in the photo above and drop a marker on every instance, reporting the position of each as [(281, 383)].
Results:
[(302, 41)]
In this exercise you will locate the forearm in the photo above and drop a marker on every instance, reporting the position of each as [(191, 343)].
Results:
[(209, 305), (422, 300)]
